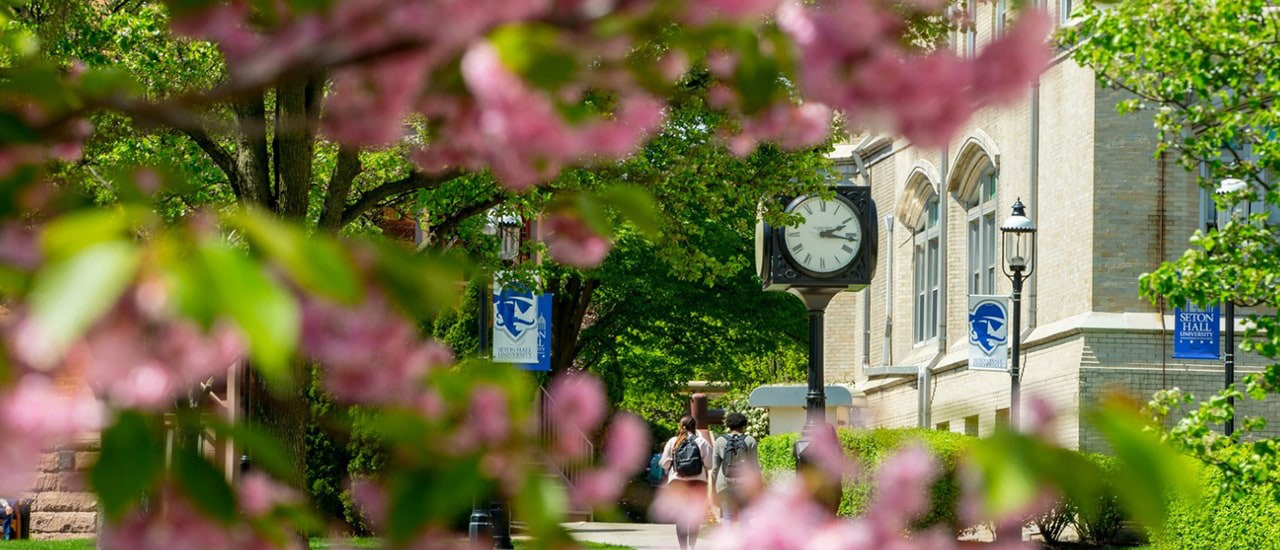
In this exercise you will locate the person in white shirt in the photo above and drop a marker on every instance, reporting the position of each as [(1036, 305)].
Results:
[(687, 458)]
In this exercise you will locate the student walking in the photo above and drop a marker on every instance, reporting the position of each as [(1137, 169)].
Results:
[(687, 458), (733, 460)]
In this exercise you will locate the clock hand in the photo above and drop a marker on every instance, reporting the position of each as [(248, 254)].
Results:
[(831, 233)]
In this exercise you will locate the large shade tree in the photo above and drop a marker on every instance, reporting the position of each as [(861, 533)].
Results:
[(259, 121)]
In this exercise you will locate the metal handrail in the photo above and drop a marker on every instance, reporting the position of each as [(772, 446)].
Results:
[(548, 432)]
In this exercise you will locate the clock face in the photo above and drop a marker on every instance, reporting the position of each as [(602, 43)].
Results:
[(829, 238)]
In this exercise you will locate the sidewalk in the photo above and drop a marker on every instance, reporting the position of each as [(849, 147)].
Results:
[(641, 536)]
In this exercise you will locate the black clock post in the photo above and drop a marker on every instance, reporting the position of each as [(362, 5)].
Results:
[(831, 251)]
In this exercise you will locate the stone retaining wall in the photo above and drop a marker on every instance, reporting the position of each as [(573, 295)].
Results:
[(61, 506)]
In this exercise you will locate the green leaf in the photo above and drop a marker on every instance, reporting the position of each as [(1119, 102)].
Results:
[(637, 205), (316, 262), (264, 451), (74, 232), (265, 311), (421, 283), (206, 485), (128, 464), (535, 53), (422, 497), (14, 130), (68, 296), (1150, 471)]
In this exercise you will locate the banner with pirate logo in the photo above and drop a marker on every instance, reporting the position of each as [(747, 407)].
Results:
[(521, 326), (988, 333)]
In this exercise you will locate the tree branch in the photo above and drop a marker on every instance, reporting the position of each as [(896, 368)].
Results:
[(414, 181), (344, 174), (220, 156), (451, 222)]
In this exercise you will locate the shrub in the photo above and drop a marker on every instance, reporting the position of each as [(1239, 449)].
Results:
[(1220, 520), (1107, 522), (870, 447)]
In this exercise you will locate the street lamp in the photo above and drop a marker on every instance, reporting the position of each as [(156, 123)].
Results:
[(1019, 234), (1239, 211)]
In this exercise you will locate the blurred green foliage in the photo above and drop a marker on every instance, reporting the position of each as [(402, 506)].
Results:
[(870, 448)]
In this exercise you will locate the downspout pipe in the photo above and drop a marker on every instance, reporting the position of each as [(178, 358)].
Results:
[(1033, 197), (888, 292), (942, 257)]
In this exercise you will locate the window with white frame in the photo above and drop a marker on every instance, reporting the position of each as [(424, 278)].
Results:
[(842, 172), (925, 265), (1064, 11), (982, 234), (1233, 156)]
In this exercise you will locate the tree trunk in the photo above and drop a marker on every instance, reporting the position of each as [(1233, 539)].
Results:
[(251, 150), (293, 147), (572, 299)]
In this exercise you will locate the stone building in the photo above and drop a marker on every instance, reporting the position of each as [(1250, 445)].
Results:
[(1107, 208)]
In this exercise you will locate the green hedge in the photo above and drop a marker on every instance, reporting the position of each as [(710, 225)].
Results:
[(870, 447), (1219, 521)]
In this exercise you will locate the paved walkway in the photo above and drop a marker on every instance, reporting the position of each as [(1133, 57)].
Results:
[(641, 536)]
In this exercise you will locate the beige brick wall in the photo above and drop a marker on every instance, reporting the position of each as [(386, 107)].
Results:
[(1100, 188)]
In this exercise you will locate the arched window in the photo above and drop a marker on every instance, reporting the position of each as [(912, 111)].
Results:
[(925, 265), (982, 234)]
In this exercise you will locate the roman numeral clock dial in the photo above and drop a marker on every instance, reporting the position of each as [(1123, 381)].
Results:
[(828, 239)]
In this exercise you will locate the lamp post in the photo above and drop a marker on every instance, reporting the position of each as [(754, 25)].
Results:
[(1239, 211), (491, 527), (1019, 235)]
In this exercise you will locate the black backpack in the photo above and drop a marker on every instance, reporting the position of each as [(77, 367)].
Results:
[(735, 455), (688, 459)]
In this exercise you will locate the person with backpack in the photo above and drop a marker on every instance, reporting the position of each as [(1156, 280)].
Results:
[(687, 459), (732, 461)]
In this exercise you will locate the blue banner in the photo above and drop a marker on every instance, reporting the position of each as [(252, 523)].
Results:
[(1195, 332), (544, 336), (522, 328)]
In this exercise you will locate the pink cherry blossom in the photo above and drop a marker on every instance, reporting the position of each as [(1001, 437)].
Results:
[(175, 524), (1011, 61), (596, 488), (626, 448), (259, 494), (825, 452), (370, 353), (369, 102), (19, 246), (705, 11), (902, 485), (576, 402), (680, 504), (371, 498), (571, 241), (488, 416)]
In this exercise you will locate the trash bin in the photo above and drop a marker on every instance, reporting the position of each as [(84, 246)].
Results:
[(22, 523)]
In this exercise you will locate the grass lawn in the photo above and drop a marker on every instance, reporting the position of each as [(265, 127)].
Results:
[(317, 544), (70, 544)]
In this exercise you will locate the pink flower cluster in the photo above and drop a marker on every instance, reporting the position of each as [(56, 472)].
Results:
[(39, 416), (786, 517), (370, 353), (509, 128), (571, 241), (176, 524), (138, 354), (849, 60), (576, 407)]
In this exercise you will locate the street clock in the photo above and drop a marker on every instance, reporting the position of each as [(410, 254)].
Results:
[(833, 247)]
